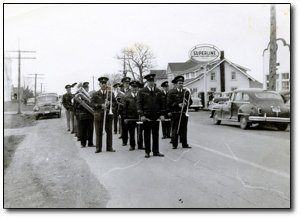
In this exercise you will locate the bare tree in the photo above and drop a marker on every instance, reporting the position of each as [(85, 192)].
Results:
[(137, 60), (113, 77)]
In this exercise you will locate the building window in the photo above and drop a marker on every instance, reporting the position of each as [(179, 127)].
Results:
[(233, 75), (285, 76), (213, 76), (233, 88), (187, 76), (267, 77), (285, 85), (213, 89), (192, 75)]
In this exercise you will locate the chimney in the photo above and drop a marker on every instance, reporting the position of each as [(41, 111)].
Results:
[(222, 72)]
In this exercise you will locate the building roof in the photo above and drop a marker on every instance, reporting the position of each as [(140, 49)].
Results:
[(182, 66), (160, 74)]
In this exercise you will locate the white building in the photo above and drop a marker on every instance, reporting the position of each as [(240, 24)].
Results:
[(218, 76), (282, 69)]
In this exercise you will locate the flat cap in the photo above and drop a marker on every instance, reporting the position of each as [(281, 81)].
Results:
[(135, 84), (165, 84), (116, 85), (126, 79), (85, 84), (67, 86)]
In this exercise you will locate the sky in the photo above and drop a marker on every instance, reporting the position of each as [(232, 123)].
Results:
[(73, 43)]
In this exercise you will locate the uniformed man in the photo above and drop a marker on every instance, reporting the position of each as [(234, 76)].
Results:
[(100, 102), (86, 121), (140, 128), (177, 105), (115, 108), (125, 89), (150, 108), (166, 125), (67, 103), (130, 112)]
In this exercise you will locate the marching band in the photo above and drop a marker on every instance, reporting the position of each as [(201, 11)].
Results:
[(132, 107)]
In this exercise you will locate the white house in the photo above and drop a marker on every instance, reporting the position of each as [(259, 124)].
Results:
[(217, 76)]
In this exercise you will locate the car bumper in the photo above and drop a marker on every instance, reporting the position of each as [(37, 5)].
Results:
[(45, 113), (270, 119)]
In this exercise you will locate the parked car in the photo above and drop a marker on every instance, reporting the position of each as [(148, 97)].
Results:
[(47, 104), (250, 106), (196, 105)]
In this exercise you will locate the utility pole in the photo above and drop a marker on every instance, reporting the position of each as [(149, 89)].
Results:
[(93, 84), (273, 50), (124, 66), (35, 83), (19, 72)]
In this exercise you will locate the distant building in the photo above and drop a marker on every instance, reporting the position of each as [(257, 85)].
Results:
[(161, 76), (14, 93), (217, 76), (282, 69), (7, 79)]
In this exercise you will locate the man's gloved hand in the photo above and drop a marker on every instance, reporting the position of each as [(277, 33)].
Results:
[(162, 118), (143, 118)]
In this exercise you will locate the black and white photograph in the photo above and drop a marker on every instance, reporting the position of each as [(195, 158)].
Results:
[(147, 106)]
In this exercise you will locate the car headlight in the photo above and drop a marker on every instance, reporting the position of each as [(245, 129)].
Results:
[(56, 107), (36, 108)]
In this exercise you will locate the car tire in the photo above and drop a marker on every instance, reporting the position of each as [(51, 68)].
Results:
[(244, 124), (37, 117), (59, 115), (216, 119), (282, 126), (196, 109)]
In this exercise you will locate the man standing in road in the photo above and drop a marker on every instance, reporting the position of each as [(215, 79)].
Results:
[(150, 108), (165, 125), (100, 102), (86, 121), (176, 106), (125, 89), (67, 103)]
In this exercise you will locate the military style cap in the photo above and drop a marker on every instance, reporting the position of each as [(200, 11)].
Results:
[(103, 79), (165, 84), (116, 85), (135, 83), (74, 84), (85, 84), (126, 79), (67, 86), (121, 85), (150, 77), (177, 79)]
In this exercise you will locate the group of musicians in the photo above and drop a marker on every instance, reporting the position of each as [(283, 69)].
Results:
[(137, 108)]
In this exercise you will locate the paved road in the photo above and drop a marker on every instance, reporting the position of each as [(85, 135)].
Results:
[(227, 168)]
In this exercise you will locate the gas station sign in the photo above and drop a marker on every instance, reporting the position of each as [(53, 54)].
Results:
[(204, 53)]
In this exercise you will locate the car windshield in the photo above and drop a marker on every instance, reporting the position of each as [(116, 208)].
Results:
[(47, 99), (268, 95)]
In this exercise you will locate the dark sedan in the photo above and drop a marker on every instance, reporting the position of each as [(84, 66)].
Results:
[(251, 106)]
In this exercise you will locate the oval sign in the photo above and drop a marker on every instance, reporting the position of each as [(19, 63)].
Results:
[(204, 53)]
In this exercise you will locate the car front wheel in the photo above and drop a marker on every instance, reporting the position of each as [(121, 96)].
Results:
[(216, 119), (244, 124)]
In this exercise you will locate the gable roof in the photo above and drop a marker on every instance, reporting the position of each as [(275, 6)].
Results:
[(160, 74), (182, 66)]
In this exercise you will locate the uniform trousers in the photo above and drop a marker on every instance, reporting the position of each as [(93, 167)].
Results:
[(98, 119), (86, 128), (182, 129), (166, 126), (124, 131), (70, 120), (151, 128), (131, 129)]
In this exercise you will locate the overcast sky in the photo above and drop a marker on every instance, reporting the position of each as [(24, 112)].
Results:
[(76, 42)]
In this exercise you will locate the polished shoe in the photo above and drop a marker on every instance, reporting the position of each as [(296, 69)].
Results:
[(72, 132), (92, 145), (141, 148), (97, 151), (83, 146), (164, 137), (111, 150), (131, 149), (78, 139), (124, 144), (186, 146), (120, 137), (174, 147), (147, 155), (171, 142), (159, 154), (68, 129)]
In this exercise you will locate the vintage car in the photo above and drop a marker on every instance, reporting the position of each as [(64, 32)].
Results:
[(47, 104), (250, 106), (196, 105)]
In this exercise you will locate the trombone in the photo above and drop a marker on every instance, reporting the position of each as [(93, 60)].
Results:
[(105, 105), (187, 109)]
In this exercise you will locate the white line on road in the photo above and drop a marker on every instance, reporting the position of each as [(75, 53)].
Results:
[(285, 175)]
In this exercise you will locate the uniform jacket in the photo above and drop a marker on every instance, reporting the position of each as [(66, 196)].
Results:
[(130, 108), (98, 98), (175, 98), (150, 104), (67, 101), (165, 99)]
